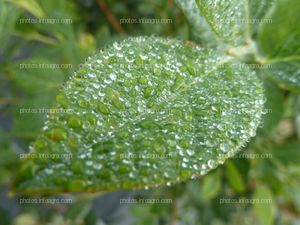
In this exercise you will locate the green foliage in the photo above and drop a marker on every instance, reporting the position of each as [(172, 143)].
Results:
[(263, 34), (234, 177), (8, 17), (281, 47)]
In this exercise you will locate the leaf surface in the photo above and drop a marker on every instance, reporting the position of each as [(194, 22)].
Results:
[(144, 112)]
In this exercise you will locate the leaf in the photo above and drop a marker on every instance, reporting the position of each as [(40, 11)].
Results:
[(225, 18), (144, 112), (234, 177), (8, 17), (32, 74), (264, 205), (211, 186), (199, 26), (257, 10), (274, 107), (78, 211), (279, 43), (30, 5)]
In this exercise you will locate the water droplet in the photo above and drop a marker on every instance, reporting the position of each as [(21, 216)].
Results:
[(224, 147), (75, 122), (211, 163)]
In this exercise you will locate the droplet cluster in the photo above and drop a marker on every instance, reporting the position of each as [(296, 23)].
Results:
[(143, 112)]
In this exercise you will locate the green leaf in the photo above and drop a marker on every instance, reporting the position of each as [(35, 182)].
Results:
[(144, 112), (8, 17), (211, 186), (78, 211), (225, 18), (257, 10), (199, 26), (234, 177), (30, 5), (32, 74), (279, 43), (274, 107), (264, 205)]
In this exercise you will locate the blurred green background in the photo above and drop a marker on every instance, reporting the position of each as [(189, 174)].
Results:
[(267, 169)]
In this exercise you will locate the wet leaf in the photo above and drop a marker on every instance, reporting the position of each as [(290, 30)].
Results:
[(144, 112), (226, 18), (199, 26)]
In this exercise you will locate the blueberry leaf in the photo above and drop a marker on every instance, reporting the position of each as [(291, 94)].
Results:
[(144, 112)]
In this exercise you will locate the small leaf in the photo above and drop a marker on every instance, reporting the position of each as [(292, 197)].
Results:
[(136, 101), (274, 107), (279, 43), (264, 205), (234, 177), (211, 186)]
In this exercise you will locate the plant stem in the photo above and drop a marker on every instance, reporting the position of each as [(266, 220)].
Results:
[(110, 17)]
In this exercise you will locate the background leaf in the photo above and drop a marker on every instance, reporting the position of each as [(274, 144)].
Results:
[(279, 42), (234, 177), (30, 5), (225, 18), (263, 209), (257, 10), (8, 18), (199, 26)]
